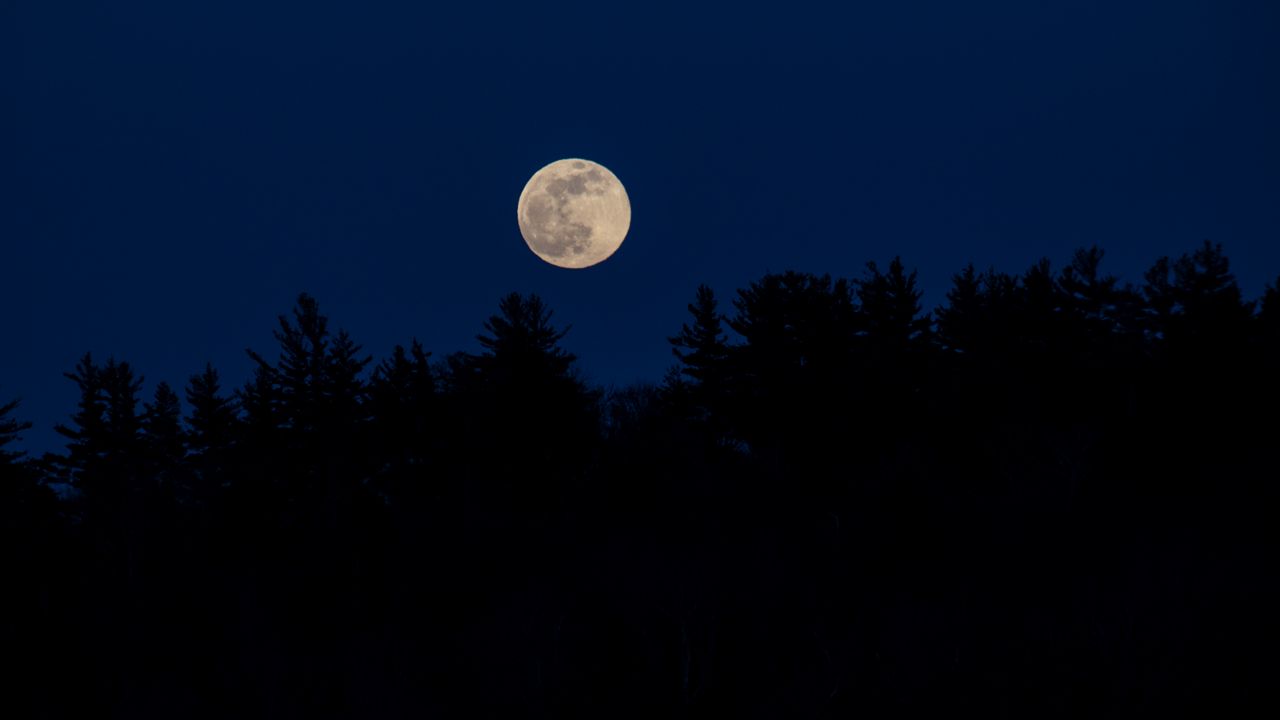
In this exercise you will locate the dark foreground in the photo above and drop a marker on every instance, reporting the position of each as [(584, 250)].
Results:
[(1056, 497)]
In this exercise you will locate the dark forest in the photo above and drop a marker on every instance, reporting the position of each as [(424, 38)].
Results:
[(1053, 495)]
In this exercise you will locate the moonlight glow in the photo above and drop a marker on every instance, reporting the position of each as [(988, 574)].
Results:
[(574, 213)]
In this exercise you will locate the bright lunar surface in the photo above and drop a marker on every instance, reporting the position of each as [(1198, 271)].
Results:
[(574, 213)]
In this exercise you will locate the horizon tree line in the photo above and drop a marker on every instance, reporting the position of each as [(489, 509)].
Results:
[(823, 463)]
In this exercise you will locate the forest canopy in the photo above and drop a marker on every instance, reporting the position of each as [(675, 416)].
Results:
[(1054, 493)]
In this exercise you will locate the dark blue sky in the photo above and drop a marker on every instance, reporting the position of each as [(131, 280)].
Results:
[(172, 174)]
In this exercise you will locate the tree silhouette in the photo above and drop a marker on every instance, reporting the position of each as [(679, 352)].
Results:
[(891, 314), (528, 419), (1196, 299), (1055, 499), (86, 435), (960, 320), (1270, 305), (10, 431), (212, 421), (702, 347), (703, 351), (165, 443), (791, 379), (405, 417), (521, 345), (259, 401), (123, 424)]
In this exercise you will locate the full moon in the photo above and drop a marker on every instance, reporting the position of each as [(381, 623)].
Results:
[(574, 213)]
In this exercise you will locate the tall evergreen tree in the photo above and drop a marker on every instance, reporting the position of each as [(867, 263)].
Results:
[(341, 388), (298, 374), (402, 392), (105, 435), (521, 345), (791, 377), (1036, 326), (793, 322), (259, 400), (404, 410), (316, 379), (123, 423), (1269, 319), (163, 435), (701, 346), (890, 306), (86, 435), (1196, 300), (521, 402), (1269, 307), (212, 420), (960, 320), (10, 432), (1101, 317)]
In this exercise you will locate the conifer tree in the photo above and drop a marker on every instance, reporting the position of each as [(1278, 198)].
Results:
[(1101, 315), (10, 432), (86, 435), (123, 423), (960, 319), (1196, 300), (521, 402), (341, 389), (890, 306), (212, 420), (701, 347), (316, 380), (792, 374), (162, 432), (703, 353), (402, 389), (1269, 316), (521, 344), (259, 399), (402, 405), (793, 321)]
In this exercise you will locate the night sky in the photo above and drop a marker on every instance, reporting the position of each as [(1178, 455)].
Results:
[(173, 174)]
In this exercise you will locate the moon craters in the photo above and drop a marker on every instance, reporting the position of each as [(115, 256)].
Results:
[(574, 213)]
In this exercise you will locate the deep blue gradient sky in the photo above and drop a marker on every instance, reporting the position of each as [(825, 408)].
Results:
[(172, 174)]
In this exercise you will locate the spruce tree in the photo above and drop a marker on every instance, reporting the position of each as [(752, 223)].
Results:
[(1195, 303), (890, 306), (86, 434), (960, 319), (123, 423), (404, 413), (212, 421), (402, 390), (163, 435), (701, 347), (521, 345), (10, 431)]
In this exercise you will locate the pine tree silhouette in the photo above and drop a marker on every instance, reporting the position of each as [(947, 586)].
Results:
[(165, 442), (405, 416), (213, 420), (890, 304), (1196, 301), (960, 320), (123, 423), (87, 434), (521, 345), (1055, 500), (10, 431), (702, 348)]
